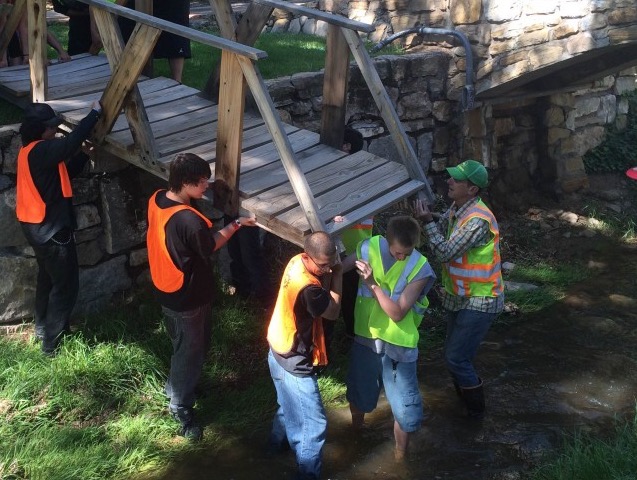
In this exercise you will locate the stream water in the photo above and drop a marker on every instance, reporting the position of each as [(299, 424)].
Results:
[(571, 367)]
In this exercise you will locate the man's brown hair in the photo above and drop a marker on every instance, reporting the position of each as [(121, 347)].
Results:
[(187, 169), (403, 230)]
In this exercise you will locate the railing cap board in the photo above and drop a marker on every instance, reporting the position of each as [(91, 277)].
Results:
[(334, 19), (191, 33)]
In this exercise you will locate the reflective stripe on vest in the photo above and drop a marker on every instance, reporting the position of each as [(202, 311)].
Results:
[(282, 331), (164, 273), (477, 273), (30, 208), (355, 234), (370, 319)]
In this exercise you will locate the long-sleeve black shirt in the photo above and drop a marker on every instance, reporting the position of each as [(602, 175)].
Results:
[(43, 165)]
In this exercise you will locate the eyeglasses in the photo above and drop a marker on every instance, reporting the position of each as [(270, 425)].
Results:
[(321, 266)]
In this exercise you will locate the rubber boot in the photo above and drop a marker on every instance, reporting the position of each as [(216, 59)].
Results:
[(189, 428), (473, 398)]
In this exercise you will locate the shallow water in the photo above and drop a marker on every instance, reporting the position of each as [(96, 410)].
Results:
[(571, 367)]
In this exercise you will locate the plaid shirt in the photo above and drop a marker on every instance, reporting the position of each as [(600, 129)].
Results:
[(473, 233)]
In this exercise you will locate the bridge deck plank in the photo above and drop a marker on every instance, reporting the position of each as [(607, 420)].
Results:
[(182, 121)]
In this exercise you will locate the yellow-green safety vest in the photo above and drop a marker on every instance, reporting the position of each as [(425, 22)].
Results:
[(477, 273), (356, 234), (370, 320)]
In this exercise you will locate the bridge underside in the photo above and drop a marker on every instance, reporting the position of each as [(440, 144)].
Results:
[(563, 76)]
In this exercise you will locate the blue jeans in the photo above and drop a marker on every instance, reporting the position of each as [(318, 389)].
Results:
[(300, 418), (189, 333), (370, 371), (465, 331)]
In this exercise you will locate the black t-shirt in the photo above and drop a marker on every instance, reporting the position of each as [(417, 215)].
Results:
[(190, 243), (43, 165), (311, 302)]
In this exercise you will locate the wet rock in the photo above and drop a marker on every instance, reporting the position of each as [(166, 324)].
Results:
[(507, 267), (569, 217), (518, 286)]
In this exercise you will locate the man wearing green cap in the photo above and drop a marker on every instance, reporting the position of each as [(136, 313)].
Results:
[(473, 290)]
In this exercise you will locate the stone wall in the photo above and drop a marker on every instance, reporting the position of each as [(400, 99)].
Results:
[(537, 63), (110, 205)]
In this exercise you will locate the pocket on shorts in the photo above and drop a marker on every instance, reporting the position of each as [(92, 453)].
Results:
[(413, 414)]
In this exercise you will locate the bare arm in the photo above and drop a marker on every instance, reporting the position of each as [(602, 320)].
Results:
[(333, 310), (396, 310), (222, 236)]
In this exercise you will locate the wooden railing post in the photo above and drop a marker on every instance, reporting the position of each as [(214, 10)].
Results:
[(36, 21), (146, 6), (275, 127), (334, 88), (229, 134), (17, 10), (387, 110)]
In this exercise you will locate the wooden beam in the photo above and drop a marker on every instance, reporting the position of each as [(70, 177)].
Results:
[(19, 8), (275, 126), (387, 110), (334, 88), (229, 133), (327, 17), (146, 6), (166, 26), (36, 21), (133, 106), (124, 77), (246, 32)]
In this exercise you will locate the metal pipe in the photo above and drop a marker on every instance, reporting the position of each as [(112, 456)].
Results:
[(468, 91)]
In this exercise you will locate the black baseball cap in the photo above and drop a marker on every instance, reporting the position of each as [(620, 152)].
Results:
[(41, 113)]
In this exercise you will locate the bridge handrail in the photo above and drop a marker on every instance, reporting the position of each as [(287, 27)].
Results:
[(191, 33), (327, 17)]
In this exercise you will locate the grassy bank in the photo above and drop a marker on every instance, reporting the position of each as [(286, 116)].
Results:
[(588, 458), (98, 410)]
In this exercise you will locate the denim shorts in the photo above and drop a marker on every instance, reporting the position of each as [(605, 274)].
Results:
[(369, 372)]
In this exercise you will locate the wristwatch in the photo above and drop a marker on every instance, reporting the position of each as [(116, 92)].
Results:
[(237, 224)]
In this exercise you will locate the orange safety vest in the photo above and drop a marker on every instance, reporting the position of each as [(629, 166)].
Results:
[(163, 271), (29, 206), (477, 273), (282, 328)]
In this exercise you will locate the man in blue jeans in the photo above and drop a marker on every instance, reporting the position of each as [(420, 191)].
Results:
[(473, 294), (310, 291), (180, 242)]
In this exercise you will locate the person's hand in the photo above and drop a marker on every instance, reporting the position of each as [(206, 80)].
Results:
[(421, 211), (337, 267), (97, 106), (365, 271), (338, 219), (64, 57), (247, 221)]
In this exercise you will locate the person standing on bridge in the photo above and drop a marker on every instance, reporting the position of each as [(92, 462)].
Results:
[(44, 207), (180, 242), (310, 291), (173, 47), (473, 290)]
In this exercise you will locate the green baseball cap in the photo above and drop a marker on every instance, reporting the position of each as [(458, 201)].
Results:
[(472, 171)]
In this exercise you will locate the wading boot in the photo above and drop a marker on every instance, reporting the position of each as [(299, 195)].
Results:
[(189, 428), (473, 398)]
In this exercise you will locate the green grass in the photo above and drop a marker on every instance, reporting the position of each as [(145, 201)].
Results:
[(586, 457), (622, 226), (98, 410), (552, 281)]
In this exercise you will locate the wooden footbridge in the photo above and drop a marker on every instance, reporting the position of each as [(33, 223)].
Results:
[(294, 181)]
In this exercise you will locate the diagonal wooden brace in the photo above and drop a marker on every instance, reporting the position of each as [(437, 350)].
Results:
[(133, 105), (124, 78)]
